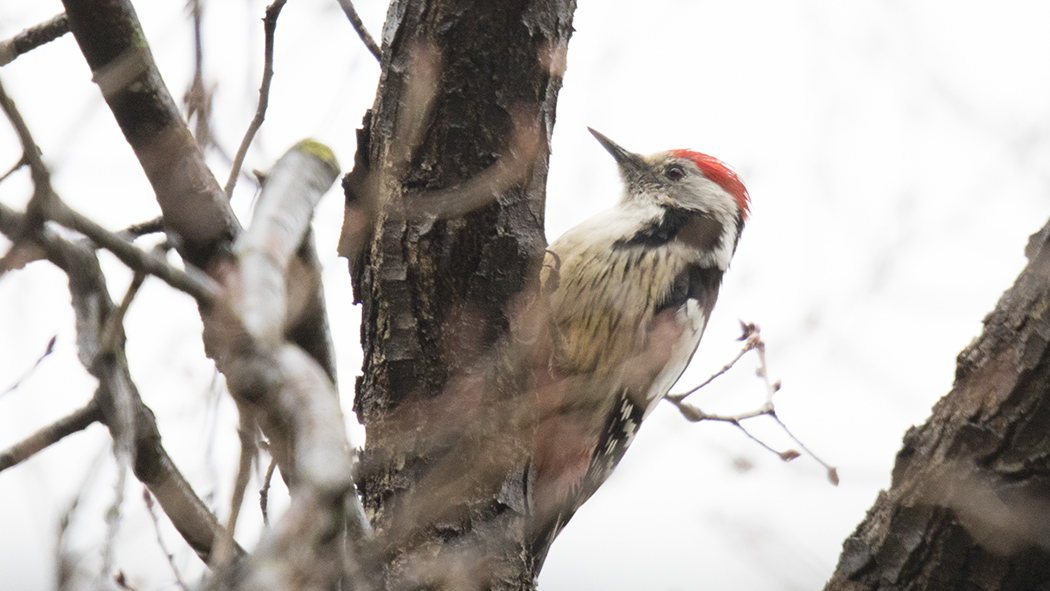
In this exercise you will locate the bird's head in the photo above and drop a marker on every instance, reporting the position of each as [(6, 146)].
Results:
[(680, 179)]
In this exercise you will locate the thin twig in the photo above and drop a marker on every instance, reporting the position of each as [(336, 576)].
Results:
[(359, 26), (142, 228), (786, 455), (753, 341), (168, 554), (197, 98), (269, 26), (113, 516), (33, 37), (247, 431), (113, 334), (47, 351), (53, 433), (42, 190), (153, 465), (747, 347), (833, 473), (17, 166), (192, 281), (264, 492)]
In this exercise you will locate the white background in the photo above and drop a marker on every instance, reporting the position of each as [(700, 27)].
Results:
[(897, 158)]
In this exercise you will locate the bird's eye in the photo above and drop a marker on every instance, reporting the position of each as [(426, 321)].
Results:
[(675, 172)]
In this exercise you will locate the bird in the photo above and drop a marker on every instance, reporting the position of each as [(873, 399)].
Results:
[(628, 294)]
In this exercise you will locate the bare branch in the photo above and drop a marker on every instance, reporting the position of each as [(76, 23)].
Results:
[(119, 403), (45, 204), (264, 491), (47, 351), (269, 27), (142, 228), (299, 407), (306, 546), (359, 26), (195, 209), (753, 341), (197, 98), (749, 345), (190, 280), (282, 216), (113, 519), (42, 191), (33, 37), (168, 554), (113, 334), (247, 430), (53, 433), (14, 168)]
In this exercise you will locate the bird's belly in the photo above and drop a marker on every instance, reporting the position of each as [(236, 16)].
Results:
[(688, 322)]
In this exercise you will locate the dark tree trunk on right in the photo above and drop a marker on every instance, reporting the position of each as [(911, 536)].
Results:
[(969, 507)]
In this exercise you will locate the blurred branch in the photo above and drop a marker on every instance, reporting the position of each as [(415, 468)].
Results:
[(264, 491), (45, 204), (42, 190), (197, 98), (359, 26), (195, 209), (280, 222), (131, 423), (168, 554), (142, 228), (47, 351), (269, 28), (33, 37), (53, 433), (247, 432), (297, 402), (190, 280), (307, 543)]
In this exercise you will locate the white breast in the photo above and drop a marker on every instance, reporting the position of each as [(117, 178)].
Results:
[(691, 320)]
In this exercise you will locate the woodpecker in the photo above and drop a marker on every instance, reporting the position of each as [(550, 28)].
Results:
[(629, 293)]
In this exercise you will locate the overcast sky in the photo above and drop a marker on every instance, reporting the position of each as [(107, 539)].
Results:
[(897, 156)]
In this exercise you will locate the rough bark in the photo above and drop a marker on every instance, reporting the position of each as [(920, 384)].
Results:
[(969, 505), (450, 177), (194, 206)]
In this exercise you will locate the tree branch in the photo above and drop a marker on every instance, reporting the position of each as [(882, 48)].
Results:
[(195, 209), (359, 26), (33, 37), (269, 27), (130, 422), (298, 404), (191, 280), (53, 433)]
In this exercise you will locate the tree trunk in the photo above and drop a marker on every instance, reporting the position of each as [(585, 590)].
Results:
[(969, 506), (444, 231)]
